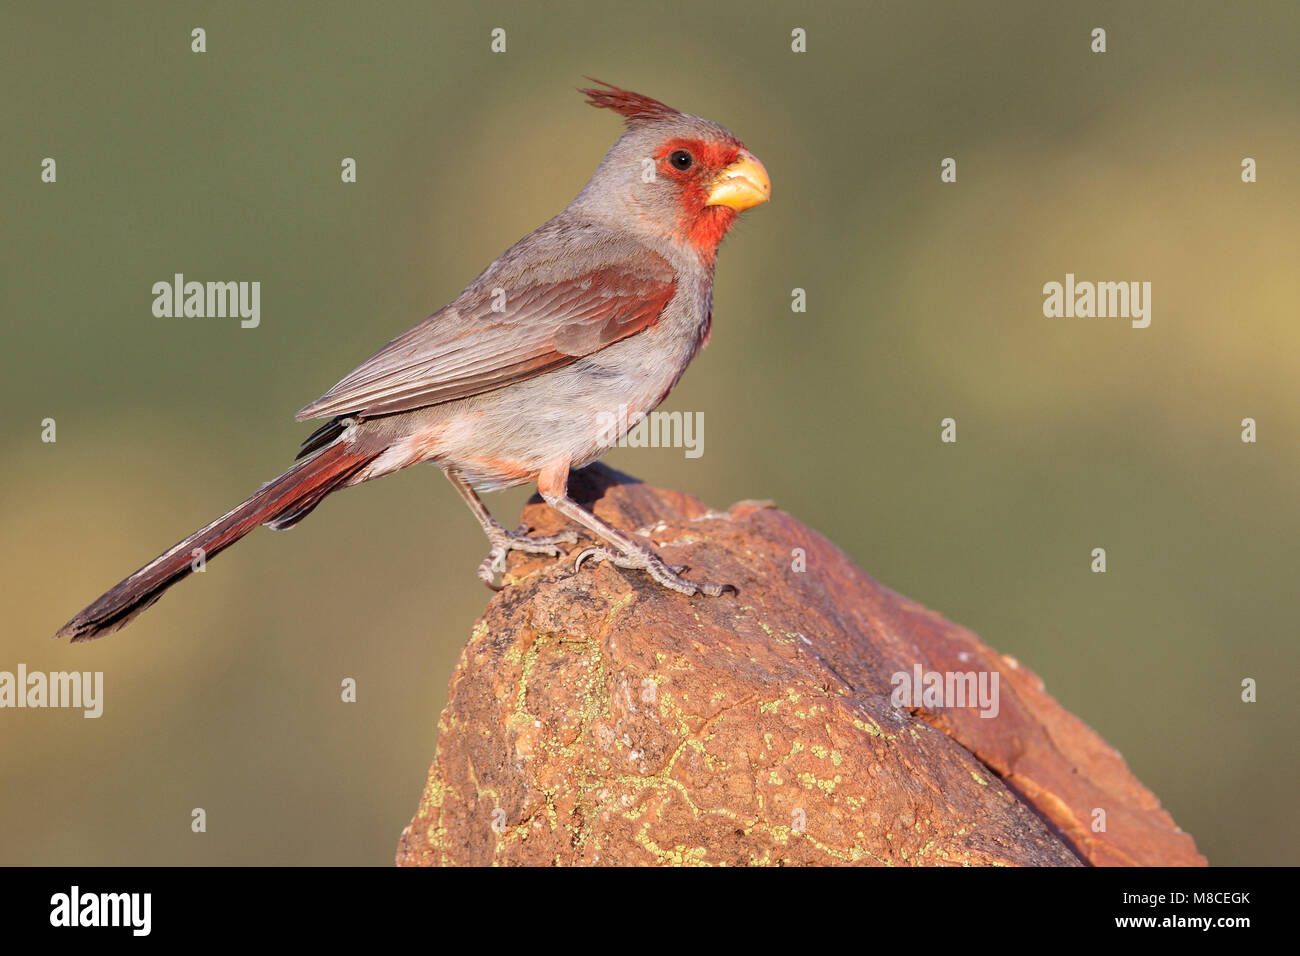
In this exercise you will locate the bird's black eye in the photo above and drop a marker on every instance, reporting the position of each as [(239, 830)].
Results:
[(681, 159)]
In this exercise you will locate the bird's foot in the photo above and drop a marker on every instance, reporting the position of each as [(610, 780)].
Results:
[(503, 542), (643, 559)]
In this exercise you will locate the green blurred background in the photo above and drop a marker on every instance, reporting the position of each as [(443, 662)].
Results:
[(924, 301)]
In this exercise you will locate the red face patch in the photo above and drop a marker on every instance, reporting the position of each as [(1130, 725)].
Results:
[(693, 164)]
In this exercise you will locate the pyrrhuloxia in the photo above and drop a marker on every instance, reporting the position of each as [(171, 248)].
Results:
[(517, 378)]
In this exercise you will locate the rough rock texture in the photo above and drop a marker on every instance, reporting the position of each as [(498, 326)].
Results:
[(596, 718)]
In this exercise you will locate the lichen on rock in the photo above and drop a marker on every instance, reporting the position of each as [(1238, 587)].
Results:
[(595, 718)]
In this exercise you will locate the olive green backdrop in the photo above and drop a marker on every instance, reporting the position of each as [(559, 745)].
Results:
[(924, 301)]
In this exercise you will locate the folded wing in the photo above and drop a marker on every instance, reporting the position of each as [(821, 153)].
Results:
[(524, 316)]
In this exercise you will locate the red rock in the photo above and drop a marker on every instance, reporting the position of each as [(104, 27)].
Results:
[(595, 718)]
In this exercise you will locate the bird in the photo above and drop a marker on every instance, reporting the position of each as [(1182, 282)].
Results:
[(513, 381)]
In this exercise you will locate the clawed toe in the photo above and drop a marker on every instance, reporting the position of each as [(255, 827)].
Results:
[(520, 540), (631, 557), (563, 537), (503, 542), (717, 590), (493, 564), (643, 559), (597, 554)]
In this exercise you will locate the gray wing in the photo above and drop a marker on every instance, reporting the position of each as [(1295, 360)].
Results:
[(551, 299)]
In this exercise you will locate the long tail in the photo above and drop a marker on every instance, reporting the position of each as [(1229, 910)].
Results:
[(280, 503)]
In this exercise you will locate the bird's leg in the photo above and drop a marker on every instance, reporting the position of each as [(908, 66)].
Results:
[(503, 541), (553, 484)]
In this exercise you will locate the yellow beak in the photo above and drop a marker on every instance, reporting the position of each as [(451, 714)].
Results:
[(741, 185)]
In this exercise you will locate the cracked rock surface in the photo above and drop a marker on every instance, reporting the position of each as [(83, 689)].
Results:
[(596, 718)]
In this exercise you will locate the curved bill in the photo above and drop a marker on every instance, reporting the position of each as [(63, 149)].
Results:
[(741, 185)]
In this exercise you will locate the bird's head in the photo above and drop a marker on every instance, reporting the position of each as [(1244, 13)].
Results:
[(674, 175)]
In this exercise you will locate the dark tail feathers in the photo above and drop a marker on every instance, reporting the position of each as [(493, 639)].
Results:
[(280, 503)]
